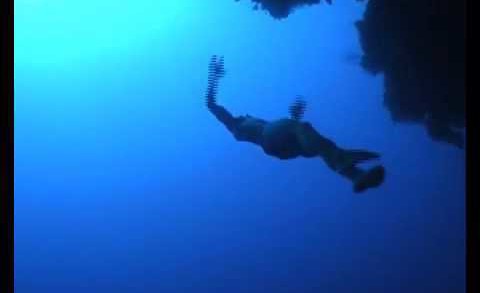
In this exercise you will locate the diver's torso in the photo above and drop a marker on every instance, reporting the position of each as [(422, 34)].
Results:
[(280, 139)]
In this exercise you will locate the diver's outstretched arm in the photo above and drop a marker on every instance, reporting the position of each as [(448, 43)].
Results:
[(223, 116), (216, 71)]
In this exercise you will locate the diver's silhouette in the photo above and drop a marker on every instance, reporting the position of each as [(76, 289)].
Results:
[(289, 138)]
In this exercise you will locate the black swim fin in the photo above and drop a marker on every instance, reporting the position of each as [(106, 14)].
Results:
[(370, 179)]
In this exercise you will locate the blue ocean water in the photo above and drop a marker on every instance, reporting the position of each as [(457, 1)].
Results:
[(124, 182)]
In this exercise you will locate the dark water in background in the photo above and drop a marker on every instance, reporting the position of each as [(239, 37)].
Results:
[(125, 183)]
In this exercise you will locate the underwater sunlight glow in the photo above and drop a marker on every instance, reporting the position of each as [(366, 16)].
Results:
[(55, 32)]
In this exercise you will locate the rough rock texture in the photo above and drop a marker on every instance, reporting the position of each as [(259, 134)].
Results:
[(419, 46)]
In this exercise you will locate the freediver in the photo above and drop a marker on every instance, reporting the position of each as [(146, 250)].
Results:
[(289, 138)]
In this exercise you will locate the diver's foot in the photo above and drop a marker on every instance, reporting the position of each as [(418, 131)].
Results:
[(370, 179), (347, 159)]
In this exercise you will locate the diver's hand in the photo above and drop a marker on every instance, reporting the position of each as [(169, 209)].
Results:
[(216, 67), (216, 71)]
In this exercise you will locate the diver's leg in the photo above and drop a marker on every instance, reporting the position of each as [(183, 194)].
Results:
[(313, 144), (342, 161), (352, 173), (361, 179)]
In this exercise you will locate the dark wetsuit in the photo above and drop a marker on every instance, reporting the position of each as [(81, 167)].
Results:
[(289, 138)]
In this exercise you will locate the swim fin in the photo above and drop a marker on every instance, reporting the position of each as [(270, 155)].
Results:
[(370, 179)]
